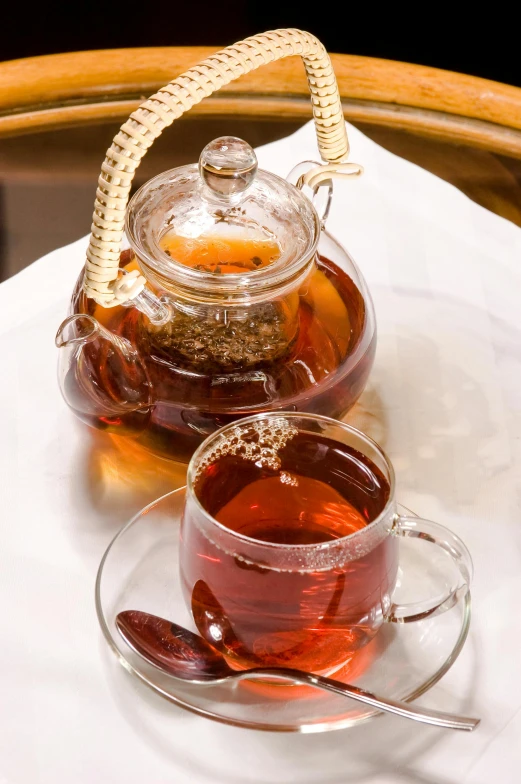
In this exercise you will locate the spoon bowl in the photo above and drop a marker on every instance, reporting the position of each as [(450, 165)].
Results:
[(172, 648)]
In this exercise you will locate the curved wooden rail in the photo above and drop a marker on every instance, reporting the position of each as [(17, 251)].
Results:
[(83, 87)]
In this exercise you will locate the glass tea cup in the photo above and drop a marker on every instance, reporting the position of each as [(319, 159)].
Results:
[(289, 551)]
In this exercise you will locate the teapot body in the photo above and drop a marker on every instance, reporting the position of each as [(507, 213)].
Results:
[(306, 344)]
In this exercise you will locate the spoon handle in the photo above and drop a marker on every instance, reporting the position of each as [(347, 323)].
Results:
[(404, 709)]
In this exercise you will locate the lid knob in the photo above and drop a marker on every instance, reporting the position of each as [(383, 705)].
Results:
[(228, 165)]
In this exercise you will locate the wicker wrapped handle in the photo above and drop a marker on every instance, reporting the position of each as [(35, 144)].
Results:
[(144, 125)]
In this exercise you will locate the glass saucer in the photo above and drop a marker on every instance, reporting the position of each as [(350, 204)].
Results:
[(139, 571)]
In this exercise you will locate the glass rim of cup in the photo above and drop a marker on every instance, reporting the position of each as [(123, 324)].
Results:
[(323, 546)]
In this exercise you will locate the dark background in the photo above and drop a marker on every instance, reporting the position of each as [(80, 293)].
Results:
[(460, 37)]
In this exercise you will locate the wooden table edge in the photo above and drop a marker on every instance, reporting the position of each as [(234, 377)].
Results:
[(62, 90)]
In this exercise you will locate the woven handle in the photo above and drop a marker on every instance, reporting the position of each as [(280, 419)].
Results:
[(144, 125)]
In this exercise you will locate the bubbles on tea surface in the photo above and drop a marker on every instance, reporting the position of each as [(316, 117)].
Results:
[(259, 442), (288, 479)]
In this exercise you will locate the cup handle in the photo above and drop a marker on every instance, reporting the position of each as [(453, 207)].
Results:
[(451, 544)]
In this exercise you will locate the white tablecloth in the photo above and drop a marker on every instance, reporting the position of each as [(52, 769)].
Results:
[(444, 400)]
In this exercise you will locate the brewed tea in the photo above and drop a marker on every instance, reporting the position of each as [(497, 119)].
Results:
[(205, 375), (221, 254), (290, 488)]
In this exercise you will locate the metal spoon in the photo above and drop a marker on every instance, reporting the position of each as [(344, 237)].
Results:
[(187, 656)]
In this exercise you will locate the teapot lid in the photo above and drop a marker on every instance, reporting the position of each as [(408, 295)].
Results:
[(193, 219)]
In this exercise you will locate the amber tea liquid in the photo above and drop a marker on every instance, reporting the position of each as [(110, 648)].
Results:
[(221, 255), (193, 398), (318, 491)]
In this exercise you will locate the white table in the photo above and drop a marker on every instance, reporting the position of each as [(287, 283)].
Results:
[(444, 400)]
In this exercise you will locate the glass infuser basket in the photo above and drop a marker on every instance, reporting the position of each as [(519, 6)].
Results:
[(232, 298)]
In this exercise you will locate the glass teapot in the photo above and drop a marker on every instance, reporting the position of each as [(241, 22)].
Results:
[(232, 297)]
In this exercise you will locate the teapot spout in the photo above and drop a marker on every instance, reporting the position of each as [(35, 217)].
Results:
[(102, 377), (77, 330)]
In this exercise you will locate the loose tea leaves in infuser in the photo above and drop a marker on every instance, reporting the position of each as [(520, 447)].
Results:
[(224, 339), (211, 344), (221, 231)]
